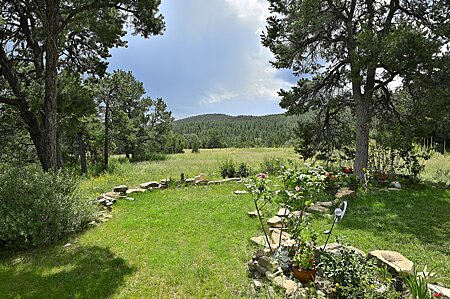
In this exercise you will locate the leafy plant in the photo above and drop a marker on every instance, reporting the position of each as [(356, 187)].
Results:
[(305, 237), (244, 170), (272, 165), (353, 276), (227, 168), (418, 283), (38, 207)]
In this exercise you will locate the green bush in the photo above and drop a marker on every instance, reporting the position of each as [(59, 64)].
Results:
[(227, 168), (356, 277), (38, 208)]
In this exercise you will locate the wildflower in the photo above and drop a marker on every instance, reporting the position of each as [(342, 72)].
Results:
[(257, 175), (438, 295), (263, 175), (297, 188)]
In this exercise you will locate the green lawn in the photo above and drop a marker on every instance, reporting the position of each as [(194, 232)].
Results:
[(413, 221), (194, 242), (179, 243)]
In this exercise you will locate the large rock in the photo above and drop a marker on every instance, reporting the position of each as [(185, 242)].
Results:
[(275, 222), (120, 188), (152, 184), (396, 262)]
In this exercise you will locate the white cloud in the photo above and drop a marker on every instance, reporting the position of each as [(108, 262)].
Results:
[(210, 60), (251, 9)]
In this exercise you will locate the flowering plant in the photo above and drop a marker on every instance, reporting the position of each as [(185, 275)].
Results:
[(259, 185), (304, 259)]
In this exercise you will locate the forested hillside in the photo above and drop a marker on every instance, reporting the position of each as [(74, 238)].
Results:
[(220, 130)]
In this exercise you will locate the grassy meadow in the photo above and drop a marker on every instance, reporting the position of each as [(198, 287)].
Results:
[(194, 242)]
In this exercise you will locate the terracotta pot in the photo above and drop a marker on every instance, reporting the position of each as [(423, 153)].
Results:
[(304, 276)]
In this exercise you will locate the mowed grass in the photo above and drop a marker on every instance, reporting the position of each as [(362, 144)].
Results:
[(413, 221), (194, 242), (178, 243)]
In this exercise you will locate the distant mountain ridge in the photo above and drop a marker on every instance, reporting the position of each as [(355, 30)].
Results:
[(223, 117), (221, 130)]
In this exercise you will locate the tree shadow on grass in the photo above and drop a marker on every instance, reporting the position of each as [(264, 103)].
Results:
[(79, 272), (421, 212)]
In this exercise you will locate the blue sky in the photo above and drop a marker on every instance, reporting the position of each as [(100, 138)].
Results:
[(209, 59)]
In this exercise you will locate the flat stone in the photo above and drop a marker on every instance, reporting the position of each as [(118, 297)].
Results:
[(102, 200), (120, 188), (137, 190), (285, 283), (257, 284), (152, 184), (230, 180), (253, 214), (345, 192), (260, 240), (275, 236), (298, 213), (271, 275), (395, 261), (189, 182), (201, 183), (325, 204), (283, 212), (318, 209), (240, 192), (200, 177), (214, 183), (395, 185), (275, 222), (336, 248), (268, 263), (435, 289), (112, 194)]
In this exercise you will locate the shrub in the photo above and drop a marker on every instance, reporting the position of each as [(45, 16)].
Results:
[(148, 156), (227, 168), (38, 208), (355, 277), (271, 165), (244, 170)]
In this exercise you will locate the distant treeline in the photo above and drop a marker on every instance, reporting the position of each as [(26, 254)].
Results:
[(220, 130)]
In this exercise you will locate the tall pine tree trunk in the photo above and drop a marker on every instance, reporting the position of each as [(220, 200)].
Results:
[(362, 136), (51, 155), (82, 153), (106, 145)]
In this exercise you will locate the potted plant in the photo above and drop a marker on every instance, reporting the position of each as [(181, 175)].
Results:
[(303, 264)]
